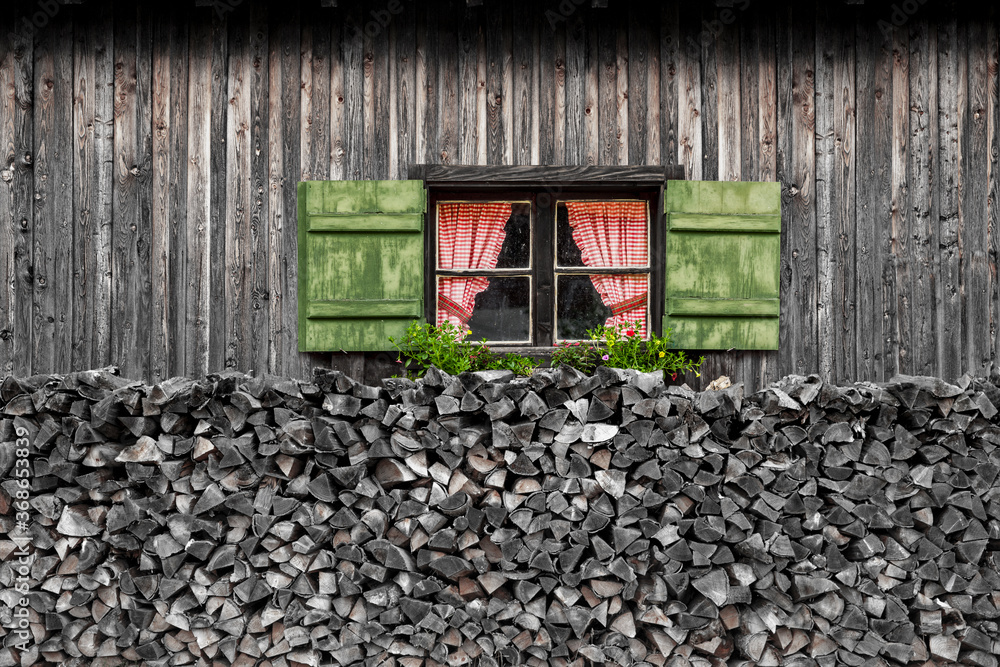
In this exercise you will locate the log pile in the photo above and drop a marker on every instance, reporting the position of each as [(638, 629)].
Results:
[(560, 519)]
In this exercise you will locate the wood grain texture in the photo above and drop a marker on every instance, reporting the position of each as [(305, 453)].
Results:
[(197, 242), (951, 98), (52, 307), (218, 354), (975, 193), (886, 161), (923, 202)]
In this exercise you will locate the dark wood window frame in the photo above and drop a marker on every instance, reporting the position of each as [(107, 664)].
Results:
[(543, 186)]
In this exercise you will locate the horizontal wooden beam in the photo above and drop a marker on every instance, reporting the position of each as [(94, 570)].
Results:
[(507, 176)]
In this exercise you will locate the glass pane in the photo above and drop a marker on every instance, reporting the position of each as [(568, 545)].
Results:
[(515, 253), (608, 234), (483, 235), (580, 306), (500, 306)]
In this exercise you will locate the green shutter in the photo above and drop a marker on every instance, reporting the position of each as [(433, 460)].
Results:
[(361, 263), (723, 261)]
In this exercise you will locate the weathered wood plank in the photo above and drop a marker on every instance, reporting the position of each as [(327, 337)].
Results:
[(376, 93), (767, 106), (843, 249), (576, 67), (978, 343), (237, 258), (447, 100), (951, 100), (640, 122), (170, 261), (403, 106), (796, 169), (899, 238), (710, 95), (992, 173), (670, 59), (317, 143), (130, 288), (523, 103), (53, 178), (257, 274), (826, 195), (498, 97), (689, 129), (218, 353), (7, 207), (144, 182), (923, 202), (198, 246), (469, 37), (551, 41), (283, 118)]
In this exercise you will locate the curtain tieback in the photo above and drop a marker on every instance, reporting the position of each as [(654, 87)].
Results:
[(628, 304), (455, 309)]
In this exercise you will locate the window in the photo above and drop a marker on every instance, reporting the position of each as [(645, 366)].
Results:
[(528, 256), (538, 266)]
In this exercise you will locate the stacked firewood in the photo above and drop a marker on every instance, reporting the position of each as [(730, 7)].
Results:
[(484, 519)]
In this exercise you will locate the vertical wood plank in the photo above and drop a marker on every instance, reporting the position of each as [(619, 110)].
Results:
[(218, 354), (670, 48), (993, 125), (497, 141), (469, 34), (639, 73), (169, 257), (709, 96), (975, 192), (237, 258), (403, 109), (898, 242), (551, 92), (16, 120), (576, 47), (198, 246), (447, 101), (592, 98), (843, 249), (283, 118), (377, 91), (144, 183), (767, 106), (951, 100), (318, 130), (922, 201), (523, 66), (129, 330), (256, 271), (609, 134), (53, 180), (689, 130), (728, 67), (796, 170), (825, 187)]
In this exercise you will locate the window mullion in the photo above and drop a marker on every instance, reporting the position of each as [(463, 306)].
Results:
[(543, 226)]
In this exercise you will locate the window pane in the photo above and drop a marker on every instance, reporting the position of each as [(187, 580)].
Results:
[(483, 235), (604, 234), (588, 302), (515, 253), (500, 306)]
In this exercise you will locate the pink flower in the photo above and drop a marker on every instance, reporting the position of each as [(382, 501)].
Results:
[(605, 357), (673, 376)]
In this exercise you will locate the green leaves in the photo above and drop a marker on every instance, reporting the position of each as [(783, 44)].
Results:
[(445, 347)]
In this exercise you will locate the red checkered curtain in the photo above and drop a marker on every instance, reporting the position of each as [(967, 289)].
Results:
[(615, 234), (469, 237)]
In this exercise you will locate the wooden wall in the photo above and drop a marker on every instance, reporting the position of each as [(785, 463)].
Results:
[(150, 156)]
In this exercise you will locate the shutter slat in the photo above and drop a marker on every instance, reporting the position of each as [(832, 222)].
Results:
[(722, 264), (365, 308), (700, 222), (361, 263)]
